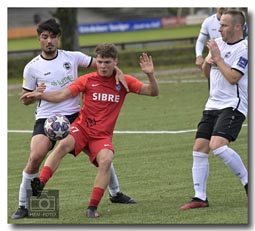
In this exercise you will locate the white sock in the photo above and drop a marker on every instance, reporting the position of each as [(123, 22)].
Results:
[(200, 172), (24, 186), (233, 161), (114, 183)]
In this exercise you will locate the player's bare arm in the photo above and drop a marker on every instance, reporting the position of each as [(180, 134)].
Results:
[(147, 67), (25, 100), (119, 77), (206, 66), (28, 101), (230, 74), (55, 96), (199, 61)]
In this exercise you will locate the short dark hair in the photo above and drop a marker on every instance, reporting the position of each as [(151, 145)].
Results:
[(106, 50), (50, 25), (238, 16)]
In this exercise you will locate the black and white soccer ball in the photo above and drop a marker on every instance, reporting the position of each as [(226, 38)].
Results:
[(57, 127)]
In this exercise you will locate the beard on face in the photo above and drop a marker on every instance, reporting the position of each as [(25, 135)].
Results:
[(50, 51)]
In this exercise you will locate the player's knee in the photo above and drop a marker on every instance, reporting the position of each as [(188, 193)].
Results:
[(105, 159), (201, 147), (217, 142), (64, 147), (33, 164), (105, 162)]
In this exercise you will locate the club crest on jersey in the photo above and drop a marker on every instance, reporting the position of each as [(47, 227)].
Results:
[(118, 87), (242, 62), (67, 66), (227, 55)]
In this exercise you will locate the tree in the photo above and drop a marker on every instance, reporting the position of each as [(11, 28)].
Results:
[(68, 21)]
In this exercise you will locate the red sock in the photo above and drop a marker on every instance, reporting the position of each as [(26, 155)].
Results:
[(96, 196), (45, 174)]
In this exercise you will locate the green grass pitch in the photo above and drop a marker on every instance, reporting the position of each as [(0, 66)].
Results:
[(155, 169)]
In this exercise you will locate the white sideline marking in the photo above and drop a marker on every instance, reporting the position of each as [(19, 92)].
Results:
[(130, 132), (122, 132)]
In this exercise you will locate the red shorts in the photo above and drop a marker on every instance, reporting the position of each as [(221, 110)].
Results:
[(93, 145)]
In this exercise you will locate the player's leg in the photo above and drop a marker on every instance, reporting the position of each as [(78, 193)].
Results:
[(104, 160), (53, 161), (114, 186), (228, 127), (200, 173), (232, 160), (116, 196), (200, 167), (39, 147)]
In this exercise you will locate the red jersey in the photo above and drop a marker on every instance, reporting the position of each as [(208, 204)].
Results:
[(102, 100)]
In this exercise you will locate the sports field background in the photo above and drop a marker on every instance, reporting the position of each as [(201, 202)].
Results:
[(155, 169)]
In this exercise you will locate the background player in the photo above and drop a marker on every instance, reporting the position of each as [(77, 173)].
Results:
[(209, 30)]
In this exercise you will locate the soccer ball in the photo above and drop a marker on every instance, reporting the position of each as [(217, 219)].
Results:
[(57, 127)]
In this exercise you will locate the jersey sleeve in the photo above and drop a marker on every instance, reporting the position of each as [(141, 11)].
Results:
[(134, 84), (241, 62), (200, 43), (82, 59), (202, 37), (205, 27), (79, 85), (29, 80)]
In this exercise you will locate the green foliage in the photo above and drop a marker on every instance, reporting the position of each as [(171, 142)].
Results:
[(68, 20), (155, 169)]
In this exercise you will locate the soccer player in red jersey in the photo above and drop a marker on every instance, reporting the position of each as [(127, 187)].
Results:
[(93, 129), (57, 69)]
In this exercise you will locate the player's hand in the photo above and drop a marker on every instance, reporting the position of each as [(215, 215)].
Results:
[(214, 50), (119, 77), (199, 61), (209, 59), (41, 87), (146, 64), (30, 95)]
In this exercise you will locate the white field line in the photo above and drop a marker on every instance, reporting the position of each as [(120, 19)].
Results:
[(130, 132)]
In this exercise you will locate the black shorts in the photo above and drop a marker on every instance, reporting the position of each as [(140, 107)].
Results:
[(39, 126), (226, 123)]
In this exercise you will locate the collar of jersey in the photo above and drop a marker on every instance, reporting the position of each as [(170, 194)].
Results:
[(106, 78), (235, 42), (51, 58)]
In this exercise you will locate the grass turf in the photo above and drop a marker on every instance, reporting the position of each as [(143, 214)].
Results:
[(155, 169)]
